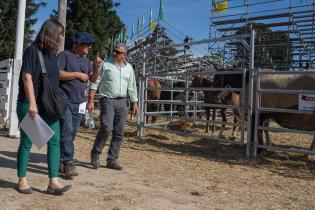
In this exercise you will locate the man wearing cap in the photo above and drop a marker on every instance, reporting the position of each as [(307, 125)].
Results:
[(116, 78), (75, 70)]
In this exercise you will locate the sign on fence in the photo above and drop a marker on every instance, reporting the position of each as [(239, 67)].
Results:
[(306, 102)]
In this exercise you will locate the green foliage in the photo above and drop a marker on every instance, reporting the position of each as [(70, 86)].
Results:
[(271, 48), (8, 18), (97, 17)]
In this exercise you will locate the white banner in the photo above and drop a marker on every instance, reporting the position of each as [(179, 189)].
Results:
[(306, 102)]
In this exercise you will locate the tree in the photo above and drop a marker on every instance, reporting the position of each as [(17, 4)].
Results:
[(271, 48), (97, 17), (8, 18)]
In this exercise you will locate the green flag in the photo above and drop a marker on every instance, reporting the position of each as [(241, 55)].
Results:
[(133, 30), (142, 24), (150, 16), (161, 13), (213, 4), (119, 37), (138, 26), (122, 36), (125, 35)]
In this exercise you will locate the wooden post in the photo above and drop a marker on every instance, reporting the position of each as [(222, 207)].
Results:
[(62, 17)]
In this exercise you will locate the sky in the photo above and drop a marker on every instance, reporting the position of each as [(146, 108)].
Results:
[(44, 12), (183, 17), (188, 17)]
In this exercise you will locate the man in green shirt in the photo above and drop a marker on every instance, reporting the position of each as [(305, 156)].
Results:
[(115, 80)]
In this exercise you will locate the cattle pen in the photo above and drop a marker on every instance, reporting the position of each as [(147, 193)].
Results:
[(244, 38), (191, 106)]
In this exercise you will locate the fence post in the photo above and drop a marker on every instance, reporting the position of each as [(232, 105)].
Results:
[(250, 91), (257, 105), (195, 108), (243, 105), (171, 105), (186, 100), (141, 118), (62, 17)]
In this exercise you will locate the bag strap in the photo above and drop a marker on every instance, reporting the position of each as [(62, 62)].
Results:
[(42, 63)]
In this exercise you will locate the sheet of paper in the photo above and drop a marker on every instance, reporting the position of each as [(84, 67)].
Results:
[(82, 108), (37, 130)]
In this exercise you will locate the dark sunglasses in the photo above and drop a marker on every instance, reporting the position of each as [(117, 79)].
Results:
[(118, 52)]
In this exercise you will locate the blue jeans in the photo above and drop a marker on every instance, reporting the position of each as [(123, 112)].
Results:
[(69, 124)]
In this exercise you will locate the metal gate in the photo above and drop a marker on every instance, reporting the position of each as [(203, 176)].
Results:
[(186, 77), (259, 109)]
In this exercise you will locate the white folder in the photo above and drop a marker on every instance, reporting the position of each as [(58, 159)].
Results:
[(37, 130)]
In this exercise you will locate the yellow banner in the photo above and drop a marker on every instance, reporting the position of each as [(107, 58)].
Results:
[(152, 25), (220, 6)]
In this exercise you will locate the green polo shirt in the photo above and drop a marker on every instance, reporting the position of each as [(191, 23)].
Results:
[(115, 81)]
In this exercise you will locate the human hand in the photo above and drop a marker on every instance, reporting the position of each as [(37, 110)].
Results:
[(32, 111), (97, 61), (90, 106), (82, 76), (135, 109)]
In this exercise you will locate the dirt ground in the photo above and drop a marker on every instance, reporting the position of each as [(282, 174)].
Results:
[(167, 171)]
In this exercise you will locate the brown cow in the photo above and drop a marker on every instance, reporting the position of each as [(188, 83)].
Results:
[(153, 95), (286, 101), (200, 81), (280, 100), (232, 98)]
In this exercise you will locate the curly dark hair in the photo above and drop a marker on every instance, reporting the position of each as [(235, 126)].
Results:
[(48, 38)]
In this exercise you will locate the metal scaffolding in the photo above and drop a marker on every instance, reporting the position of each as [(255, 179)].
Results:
[(177, 59), (285, 32)]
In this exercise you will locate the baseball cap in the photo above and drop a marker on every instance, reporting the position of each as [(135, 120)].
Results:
[(83, 38)]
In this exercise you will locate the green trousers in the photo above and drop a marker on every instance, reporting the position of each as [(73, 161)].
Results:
[(53, 149)]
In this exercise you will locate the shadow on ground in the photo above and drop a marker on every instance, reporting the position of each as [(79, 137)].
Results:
[(8, 160), (284, 164)]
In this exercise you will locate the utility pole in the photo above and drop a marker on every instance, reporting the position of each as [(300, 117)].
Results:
[(62, 16), (19, 39)]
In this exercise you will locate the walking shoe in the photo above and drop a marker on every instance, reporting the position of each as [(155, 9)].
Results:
[(58, 191), (25, 191), (70, 169), (95, 161), (114, 166)]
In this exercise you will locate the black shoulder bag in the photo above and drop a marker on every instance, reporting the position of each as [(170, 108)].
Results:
[(53, 101)]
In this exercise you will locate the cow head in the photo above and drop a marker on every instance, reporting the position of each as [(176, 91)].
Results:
[(197, 81), (201, 81)]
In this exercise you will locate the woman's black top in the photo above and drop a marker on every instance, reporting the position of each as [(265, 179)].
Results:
[(31, 65)]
